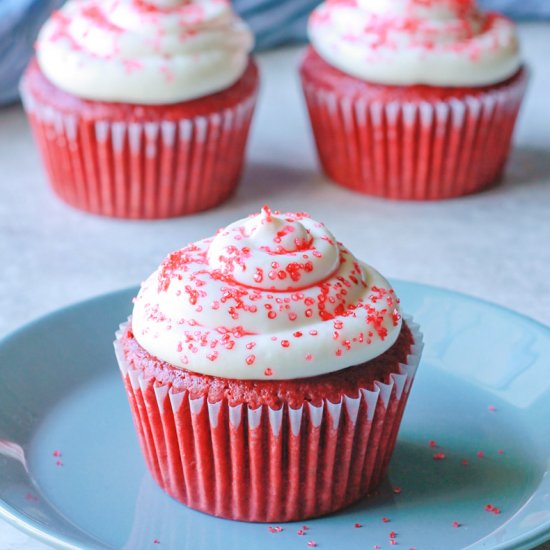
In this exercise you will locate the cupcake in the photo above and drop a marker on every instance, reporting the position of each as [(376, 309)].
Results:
[(411, 99), (142, 109), (267, 371)]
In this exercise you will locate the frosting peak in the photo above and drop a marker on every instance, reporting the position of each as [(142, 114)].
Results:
[(278, 252), (144, 51), (270, 296), (403, 42)]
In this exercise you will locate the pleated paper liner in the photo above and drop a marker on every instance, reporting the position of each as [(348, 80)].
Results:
[(136, 169), (419, 150), (265, 464)]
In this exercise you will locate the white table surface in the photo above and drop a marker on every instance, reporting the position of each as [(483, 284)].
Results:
[(494, 245)]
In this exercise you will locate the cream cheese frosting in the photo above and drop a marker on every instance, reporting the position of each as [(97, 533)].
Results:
[(406, 42), (144, 51), (272, 296)]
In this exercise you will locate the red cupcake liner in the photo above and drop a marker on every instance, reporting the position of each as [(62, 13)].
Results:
[(141, 169), (265, 464), (413, 149)]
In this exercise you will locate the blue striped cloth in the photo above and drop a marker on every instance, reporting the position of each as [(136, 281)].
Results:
[(20, 21), (274, 22)]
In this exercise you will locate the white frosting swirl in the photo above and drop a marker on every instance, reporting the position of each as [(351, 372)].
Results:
[(273, 296), (405, 42), (144, 51)]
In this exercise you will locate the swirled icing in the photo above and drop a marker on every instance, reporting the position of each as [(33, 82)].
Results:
[(272, 296), (405, 42), (144, 51)]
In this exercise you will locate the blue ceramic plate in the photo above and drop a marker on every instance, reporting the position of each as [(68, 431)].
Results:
[(483, 388)]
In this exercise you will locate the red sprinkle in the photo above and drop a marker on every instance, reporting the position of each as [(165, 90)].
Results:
[(396, 490), (480, 454), (439, 456), (276, 529), (393, 542), (59, 463), (393, 534), (456, 524), (156, 541), (311, 543), (432, 443), (358, 525), (491, 508), (305, 527), (492, 408), (268, 372), (250, 359), (464, 462), (500, 451), (386, 520), (301, 532), (56, 453)]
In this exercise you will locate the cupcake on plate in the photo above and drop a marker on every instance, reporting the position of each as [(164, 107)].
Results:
[(141, 109), (411, 99), (267, 371)]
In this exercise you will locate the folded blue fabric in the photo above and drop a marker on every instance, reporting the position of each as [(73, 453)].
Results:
[(20, 21)]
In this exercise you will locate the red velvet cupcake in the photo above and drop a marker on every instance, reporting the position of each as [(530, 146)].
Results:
[(142, 110), (411, 99), (267, 357)]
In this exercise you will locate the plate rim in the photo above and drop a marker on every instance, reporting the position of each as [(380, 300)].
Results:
[(22, 522)]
